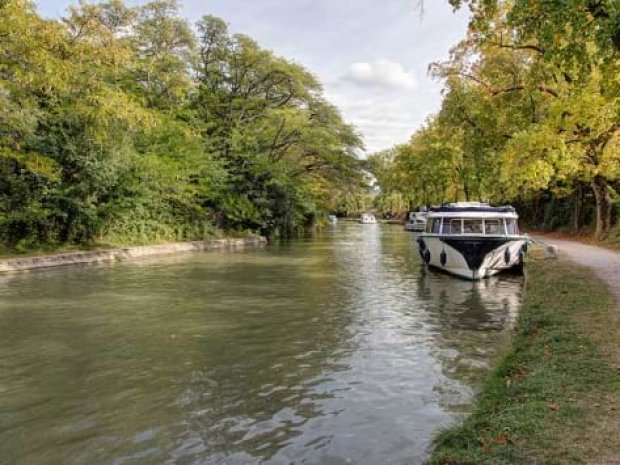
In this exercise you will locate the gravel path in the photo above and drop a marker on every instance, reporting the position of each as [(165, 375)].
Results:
[(605, 262)]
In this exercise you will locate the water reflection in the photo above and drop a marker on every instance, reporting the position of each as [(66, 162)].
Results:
[(335, 349), (490, 304), (474, 321)]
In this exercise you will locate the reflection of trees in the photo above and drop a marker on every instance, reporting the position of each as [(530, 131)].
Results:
[(467, 322)]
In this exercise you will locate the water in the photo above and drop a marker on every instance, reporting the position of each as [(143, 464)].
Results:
[(337, 349)]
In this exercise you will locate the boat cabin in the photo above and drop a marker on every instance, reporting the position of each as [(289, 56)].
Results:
[(460, 225)]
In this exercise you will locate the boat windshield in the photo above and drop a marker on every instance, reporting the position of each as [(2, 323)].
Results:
[(472, 226), (512, 229), (478, 226), (493, 226), (453, 226)]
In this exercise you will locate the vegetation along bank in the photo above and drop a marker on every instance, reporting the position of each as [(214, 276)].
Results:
[(124, 125)]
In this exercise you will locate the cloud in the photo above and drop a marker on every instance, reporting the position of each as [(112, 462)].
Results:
[(384, 74), (384, 117)]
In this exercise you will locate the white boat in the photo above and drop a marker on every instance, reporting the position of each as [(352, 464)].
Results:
[(332, 219), (367, 218), (416, 221), (472, 240)]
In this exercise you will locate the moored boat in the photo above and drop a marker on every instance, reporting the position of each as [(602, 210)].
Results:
[(416, 221), (332, 219), (472, 240), (367, 218)]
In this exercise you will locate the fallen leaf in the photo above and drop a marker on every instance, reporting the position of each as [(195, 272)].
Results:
[(503, 439)]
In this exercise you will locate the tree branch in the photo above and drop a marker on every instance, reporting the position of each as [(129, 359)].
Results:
[(541, 88), (534, 48)]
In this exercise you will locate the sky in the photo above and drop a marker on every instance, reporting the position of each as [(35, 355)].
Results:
[(370, 55)]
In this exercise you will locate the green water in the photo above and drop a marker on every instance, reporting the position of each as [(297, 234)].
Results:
[(336, 349)]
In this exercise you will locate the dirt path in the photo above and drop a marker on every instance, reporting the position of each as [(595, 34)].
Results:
[(605, 262)]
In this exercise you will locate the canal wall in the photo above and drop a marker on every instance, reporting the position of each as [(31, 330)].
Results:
[(12, 265)]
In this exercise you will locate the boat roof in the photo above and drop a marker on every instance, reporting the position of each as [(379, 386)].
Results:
[(473, 210), (472, 207)]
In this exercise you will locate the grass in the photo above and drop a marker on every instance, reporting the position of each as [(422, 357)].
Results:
[(554, 398), (612, 239)]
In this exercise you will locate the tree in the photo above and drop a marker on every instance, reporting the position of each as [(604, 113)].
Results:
[(562, 30), (265, 119), (574, 103), (117, 123), (165, 48)]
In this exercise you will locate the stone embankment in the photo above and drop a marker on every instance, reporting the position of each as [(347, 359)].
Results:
[(114, 255)]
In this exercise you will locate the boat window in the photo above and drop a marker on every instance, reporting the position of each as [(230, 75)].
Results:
[(452, 226), (511, 227), (432, 226), (472, 226), (493, 227)]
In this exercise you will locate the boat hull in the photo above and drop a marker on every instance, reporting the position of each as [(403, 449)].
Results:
[(473, 257)]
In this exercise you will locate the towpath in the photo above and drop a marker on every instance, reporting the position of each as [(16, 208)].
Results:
[(604, 262)]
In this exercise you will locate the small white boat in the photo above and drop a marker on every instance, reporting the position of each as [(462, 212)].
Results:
[(367, 218), (416, 221), (332, 219), (472, 240)]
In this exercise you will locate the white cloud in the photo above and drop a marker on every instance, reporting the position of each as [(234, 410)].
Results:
[(384, 116), (385, 74)]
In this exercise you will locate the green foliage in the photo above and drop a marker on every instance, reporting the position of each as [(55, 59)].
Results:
[(531, 106), (118, 124), (268, 124)]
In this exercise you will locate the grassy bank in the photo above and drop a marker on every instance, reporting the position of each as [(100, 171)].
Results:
[(555, 396)]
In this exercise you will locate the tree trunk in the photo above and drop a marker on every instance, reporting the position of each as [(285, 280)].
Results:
[(603, 205), (577, 208), (466, 191)]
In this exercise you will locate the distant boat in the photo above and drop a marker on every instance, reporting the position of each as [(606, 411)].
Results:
[(472, 240), (416, 221), (367, 218), (332, 218)]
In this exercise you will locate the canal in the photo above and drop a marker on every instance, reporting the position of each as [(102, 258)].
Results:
[(334, 349)]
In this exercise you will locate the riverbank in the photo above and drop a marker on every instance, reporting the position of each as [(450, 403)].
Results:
[(610, 241), (117, 254), (555, 396)]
